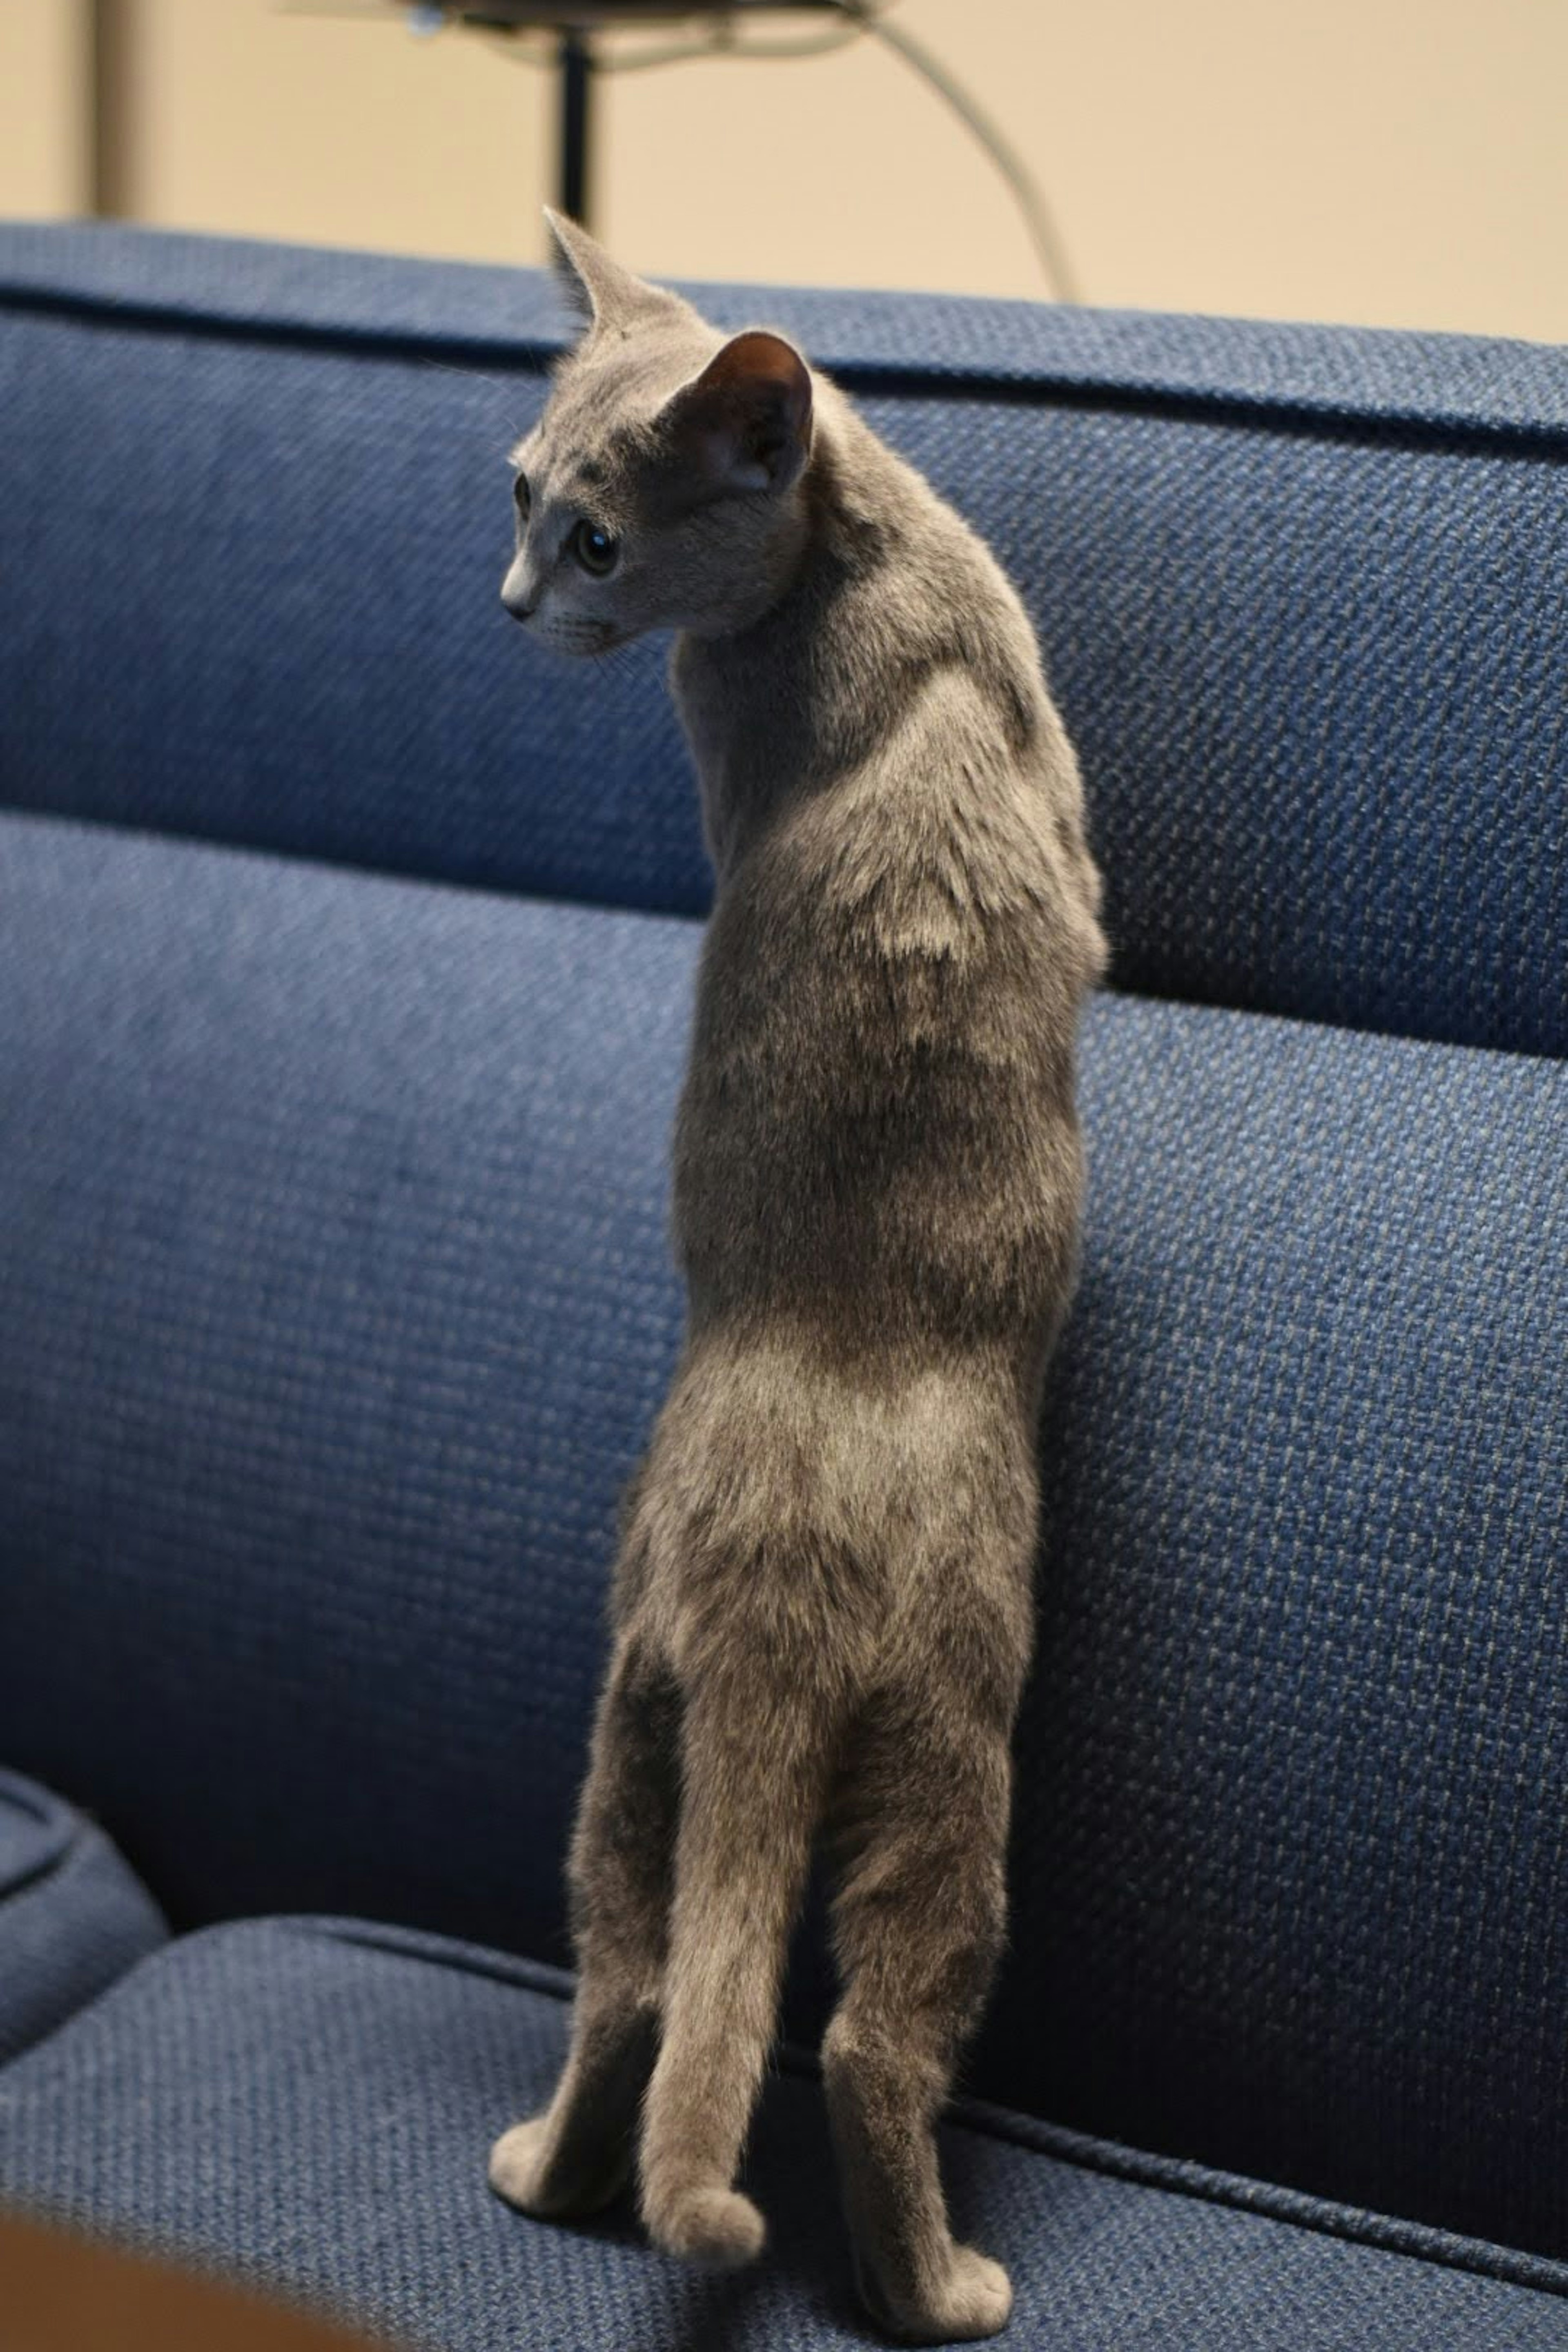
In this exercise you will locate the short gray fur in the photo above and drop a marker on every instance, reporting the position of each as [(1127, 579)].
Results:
[(822, 1605)]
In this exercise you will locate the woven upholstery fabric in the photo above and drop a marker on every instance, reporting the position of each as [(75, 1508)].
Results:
[(1302, 596), (72, 1915), (335, 1302), (1512, 391), (314, 2110)]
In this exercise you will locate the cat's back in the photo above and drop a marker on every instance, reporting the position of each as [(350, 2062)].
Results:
[(893, 708), (878, 1117)]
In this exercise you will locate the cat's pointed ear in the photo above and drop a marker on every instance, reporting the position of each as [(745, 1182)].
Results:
[(745, 422), (600, 292)]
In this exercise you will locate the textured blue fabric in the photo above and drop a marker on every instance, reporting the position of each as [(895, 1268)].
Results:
[(335, 1300), (72, 1915), (314, 2110), (1517, 391), (1302, 594)]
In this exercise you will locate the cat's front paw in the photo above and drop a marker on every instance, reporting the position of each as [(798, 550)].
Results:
[(973, 2299)]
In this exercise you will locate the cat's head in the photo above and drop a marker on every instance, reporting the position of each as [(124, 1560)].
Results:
[(662, 486)]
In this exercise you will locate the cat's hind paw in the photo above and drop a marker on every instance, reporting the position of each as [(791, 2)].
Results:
[(519, 2167), (527, 2169), (973, 2299)]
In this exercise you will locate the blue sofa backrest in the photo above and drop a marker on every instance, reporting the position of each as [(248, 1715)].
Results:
[(1302, 598), (335, 1295)]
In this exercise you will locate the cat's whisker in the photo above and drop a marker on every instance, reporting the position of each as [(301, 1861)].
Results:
[(622, 658)]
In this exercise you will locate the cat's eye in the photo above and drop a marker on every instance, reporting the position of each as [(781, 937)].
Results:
[(594, 550), (520, 498)]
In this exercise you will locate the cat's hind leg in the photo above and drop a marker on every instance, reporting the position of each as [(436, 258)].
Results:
[(917, 1925), (573, 2158)]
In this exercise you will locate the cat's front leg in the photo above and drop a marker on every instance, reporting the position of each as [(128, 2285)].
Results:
[(573, 2158)]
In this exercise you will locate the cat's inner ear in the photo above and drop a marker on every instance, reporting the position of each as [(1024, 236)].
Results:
[(603, 295), (745, 422)]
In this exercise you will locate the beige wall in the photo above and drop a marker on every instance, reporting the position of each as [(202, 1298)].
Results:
[(43, 114), (1395, 161)]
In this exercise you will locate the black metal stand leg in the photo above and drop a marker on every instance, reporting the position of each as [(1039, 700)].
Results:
[(576, 65)]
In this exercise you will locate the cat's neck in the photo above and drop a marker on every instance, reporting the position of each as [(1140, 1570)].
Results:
[(891, 590), (838, 538), (798, 696)]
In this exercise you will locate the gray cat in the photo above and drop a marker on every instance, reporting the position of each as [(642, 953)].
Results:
[(822, 1608)]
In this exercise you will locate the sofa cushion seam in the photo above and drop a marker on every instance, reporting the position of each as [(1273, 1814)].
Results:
[(1142, 2168), (511, 895)]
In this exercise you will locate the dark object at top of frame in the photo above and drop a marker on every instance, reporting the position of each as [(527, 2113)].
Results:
[(510, 16)]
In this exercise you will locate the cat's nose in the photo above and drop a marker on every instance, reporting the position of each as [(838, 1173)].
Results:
[(516, 605)]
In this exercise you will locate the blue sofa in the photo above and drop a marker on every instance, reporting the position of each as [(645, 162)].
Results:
[(346, 950)]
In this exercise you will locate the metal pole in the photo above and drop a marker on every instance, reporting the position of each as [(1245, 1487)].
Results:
[(576, 64), (109, 109)]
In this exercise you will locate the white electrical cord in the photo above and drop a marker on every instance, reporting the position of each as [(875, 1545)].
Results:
[(721, 41)]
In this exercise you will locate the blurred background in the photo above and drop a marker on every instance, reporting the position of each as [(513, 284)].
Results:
[(1376, 161)]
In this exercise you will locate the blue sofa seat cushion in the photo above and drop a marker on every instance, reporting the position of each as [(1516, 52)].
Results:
[(73, 1915), (309, 2103), (335, 1301)]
